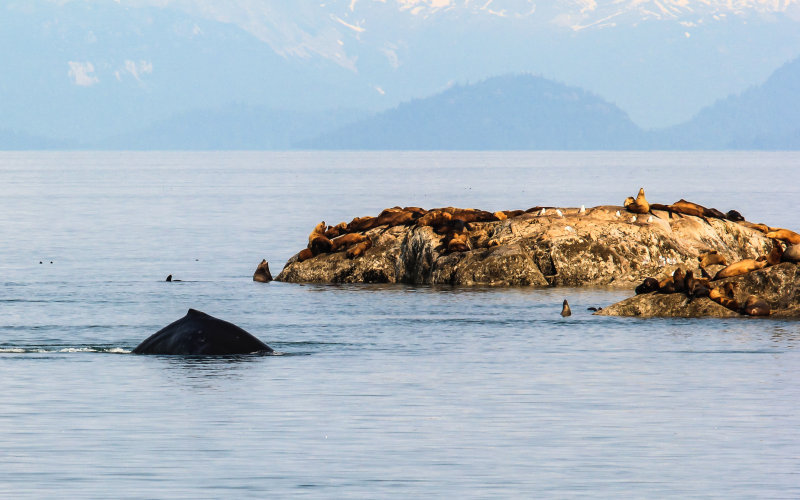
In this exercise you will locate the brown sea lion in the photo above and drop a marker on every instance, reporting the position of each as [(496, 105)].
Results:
[(742, 267), (359, 249), (459, 242), (733, 215), (647, 286), (346, 240), (688, 208), (689, 282), (639, 205), (720, 297), (679, 279), (758, 227), (304, 254), (473, 215), (784, 235), (262, 273), (755, 306), (775, 255), (333, 231), (699, 290), (395, 217), (711, 258), (317, 241), (434, 218), (565, 310), (510, 214), (666, 285), (501, 215), (791, 254), (361, 224)]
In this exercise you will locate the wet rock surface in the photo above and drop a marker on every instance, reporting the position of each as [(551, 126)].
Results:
[(601, 246)]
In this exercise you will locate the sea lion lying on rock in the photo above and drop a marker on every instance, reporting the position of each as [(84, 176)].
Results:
[(639, 205), (784, 235), (755, 306), (346, 240), (742, 267), (358, 249), (791, 254), (197, 333), (711, 258)]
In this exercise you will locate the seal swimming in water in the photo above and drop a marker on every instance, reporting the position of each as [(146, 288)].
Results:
[(199, 333), (565, 310), (262, 273)]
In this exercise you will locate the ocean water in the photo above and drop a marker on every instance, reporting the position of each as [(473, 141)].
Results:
[(378, 391)]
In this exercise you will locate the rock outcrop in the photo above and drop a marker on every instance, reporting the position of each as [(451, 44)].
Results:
[(778, 285), (600, 246)]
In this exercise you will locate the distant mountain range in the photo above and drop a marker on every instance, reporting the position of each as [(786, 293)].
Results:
[(527, 112), (271, 74)]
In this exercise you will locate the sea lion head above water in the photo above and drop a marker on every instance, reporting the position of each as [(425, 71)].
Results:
[(565, 310)]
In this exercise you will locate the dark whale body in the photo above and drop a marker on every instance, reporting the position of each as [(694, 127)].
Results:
[(200, 334)]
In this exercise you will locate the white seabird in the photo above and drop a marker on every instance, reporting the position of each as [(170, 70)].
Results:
[(558, 212)]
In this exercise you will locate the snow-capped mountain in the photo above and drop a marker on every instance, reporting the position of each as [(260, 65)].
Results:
[(95, 69)]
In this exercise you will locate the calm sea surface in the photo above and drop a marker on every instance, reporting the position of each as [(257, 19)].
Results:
[(381, 391)]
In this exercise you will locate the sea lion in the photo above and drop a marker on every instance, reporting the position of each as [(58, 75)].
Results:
[(358, 249), (262, 273), (360, 224), (784, 235), (434, 218), (755, 306), (639, 205), (774, 257), (720, 297), (198, 333), (501, 215), (458, 242), (647, 286), (510, 214), (565, 310), (679, 279), (395, 217), (758, 227), (304, 254), (333, 231), (791, 254), (346, 240), (688, 208), (742, 267), (733, 215), (689, 282), (317, 241), (711, 258), (666, 285), (698, 291)]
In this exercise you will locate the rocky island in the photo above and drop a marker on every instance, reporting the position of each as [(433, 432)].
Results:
[(616, 246)]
